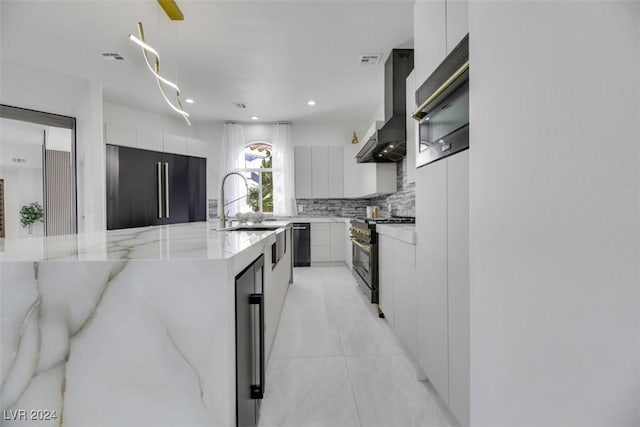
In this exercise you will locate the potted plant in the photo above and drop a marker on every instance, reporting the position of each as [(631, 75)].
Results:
[(31, 213)]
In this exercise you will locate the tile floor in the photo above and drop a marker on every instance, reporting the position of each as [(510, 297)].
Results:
[(335, 363)]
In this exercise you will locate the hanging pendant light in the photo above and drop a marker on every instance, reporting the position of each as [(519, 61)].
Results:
[(155, 70)]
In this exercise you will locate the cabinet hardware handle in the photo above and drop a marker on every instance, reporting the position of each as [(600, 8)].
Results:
[(365, 248), (299, 228), (159, 171), (257, 390), (419, 113), (166, 188)]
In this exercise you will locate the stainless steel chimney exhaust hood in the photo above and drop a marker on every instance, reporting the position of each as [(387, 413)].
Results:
[(389, 143)]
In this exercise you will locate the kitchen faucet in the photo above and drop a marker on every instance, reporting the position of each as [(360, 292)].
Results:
[(222, 223)]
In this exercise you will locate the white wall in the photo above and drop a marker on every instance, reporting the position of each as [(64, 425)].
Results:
[(133, 118), (332, 133), (555, 213), (43, 90)]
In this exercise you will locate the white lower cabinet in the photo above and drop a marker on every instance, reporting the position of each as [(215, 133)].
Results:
[(348, 246), (327, 241), (442, 197), (398, 290), (320, 242)]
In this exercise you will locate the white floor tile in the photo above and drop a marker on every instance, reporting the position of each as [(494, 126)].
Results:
[(335, 363), (308, 391), (388, 394)]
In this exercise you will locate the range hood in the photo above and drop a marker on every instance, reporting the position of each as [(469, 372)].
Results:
[(389, 142)]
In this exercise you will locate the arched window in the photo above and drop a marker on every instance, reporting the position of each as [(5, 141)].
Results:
[(259, 174)]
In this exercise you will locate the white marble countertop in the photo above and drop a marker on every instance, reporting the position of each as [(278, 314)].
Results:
[(196, 240), (404, 232)]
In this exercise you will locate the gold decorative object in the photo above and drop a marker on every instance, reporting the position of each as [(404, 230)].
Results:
[(172, 10), (146, 49), (354, 139)]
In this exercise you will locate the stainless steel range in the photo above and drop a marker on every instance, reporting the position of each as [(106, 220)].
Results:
[(364, 240)]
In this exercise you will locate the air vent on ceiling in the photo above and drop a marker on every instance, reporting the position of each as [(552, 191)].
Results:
[(112, 56), (370, 58), (239, 105)]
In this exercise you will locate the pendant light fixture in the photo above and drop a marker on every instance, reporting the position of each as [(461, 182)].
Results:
[(155, 70)]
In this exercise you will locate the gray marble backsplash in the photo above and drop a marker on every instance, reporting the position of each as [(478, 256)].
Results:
[(402, 202)]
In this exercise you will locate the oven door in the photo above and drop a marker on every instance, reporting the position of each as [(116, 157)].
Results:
[(364, 267), (444, 130)]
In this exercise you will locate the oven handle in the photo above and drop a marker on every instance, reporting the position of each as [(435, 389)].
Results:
[(365, 248), (419, 113)]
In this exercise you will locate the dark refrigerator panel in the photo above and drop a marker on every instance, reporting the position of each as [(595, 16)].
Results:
[(133, 187), (151, 188)]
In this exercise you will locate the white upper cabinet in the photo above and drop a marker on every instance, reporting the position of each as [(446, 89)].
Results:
[(336, 172), (197, 147), (120, 135), (457, 22), (319, 172), (302, 166), (175, 144), (149, 140), (429, 33), (154, 140)]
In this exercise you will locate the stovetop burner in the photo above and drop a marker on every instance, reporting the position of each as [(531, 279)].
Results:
[(392, 220)]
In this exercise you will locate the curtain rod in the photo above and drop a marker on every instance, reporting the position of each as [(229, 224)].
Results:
[(253, 123)]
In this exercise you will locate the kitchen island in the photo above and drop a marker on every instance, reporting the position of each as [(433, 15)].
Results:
[(130, 327)]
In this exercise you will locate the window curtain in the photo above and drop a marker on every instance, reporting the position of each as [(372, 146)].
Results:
[(284, 201), (233, 144)]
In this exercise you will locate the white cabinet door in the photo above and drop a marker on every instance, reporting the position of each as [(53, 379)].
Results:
[(348, 246), (457, 22), (336, 172), (120, 135), (149, 139), (175, 144), (405, 297), (337, 241), (458, 278), (386, 262), (197, 147), (302, 166), (320, 172), (320, 242), (431, 250), (429, 35)]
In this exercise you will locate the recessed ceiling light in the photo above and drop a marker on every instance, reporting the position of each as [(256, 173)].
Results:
[(312, 102), (255, 118), (390, 145), (384, 151), (189, 101), (379, 155)]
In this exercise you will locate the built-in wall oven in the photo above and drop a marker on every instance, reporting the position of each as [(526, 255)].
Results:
[(443, 114)]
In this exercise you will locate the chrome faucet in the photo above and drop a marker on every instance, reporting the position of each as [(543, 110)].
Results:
[(223, 218)]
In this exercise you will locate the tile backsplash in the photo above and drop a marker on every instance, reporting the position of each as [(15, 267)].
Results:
[(402, 202)]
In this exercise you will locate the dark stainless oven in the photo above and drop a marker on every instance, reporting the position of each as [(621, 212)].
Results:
[(444, 108), (365, 258)]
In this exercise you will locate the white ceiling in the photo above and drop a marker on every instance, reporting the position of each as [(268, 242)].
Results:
[(272, 55)]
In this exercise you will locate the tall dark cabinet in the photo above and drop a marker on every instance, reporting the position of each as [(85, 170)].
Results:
[(152, 188), (250, 351)]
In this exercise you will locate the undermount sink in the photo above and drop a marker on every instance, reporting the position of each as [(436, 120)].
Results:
[(251, 228)]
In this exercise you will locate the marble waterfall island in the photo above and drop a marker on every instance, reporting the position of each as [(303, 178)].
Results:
[(128, 328)]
